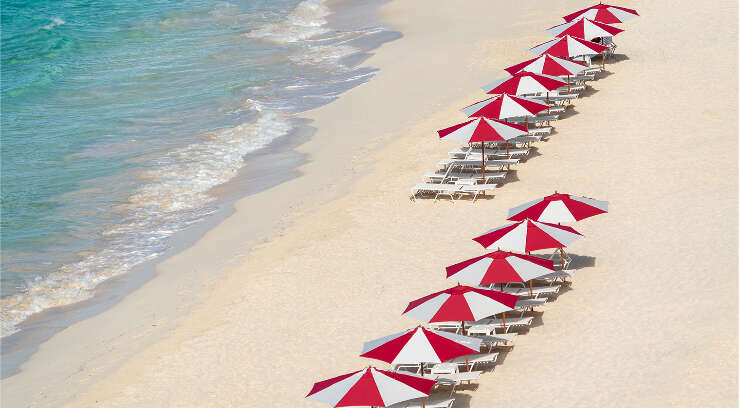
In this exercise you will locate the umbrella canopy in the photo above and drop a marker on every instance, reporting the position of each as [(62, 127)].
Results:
[(500, 267), (548, 65), (558, 208), (524, 82), (505, 106), (568, 47), (420, 345), (584, 28), (370, 387), (604, 13), (482, 130), (528, 235), (460, 303)]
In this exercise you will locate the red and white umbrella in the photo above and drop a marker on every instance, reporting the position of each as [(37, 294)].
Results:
[(483, 130), (558, 208), (505, 106), (584, 28), (568, 47), (524, 82), (604, 13), (548, 65), (500, 267), (460, 303), (528, 235), (370, 387), (420, 345)]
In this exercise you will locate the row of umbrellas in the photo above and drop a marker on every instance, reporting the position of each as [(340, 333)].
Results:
[(536, 226), (542, 74)]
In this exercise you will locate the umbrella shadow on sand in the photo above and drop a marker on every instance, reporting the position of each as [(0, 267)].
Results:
[(533, 152), (590, 91), (569, 112), (581, 261)]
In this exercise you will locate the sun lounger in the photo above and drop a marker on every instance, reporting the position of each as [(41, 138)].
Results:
[(493, 340), (439, 177), (428, 403), (572, 88), (476, 189), (561, 275), (475, 360), (465, 152), (533, 292), (497, 323), (443, 164), (456, 378), (542, 130), (437, 190), (534, 120), (524, 304)]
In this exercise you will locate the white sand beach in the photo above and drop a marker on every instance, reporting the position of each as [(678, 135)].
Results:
[(650, 319)]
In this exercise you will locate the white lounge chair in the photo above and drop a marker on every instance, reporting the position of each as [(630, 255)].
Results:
[(533, 292), (561, 275), (439, 177), (427, 402), (437, 190), (512, 321), (476, 153), (456, 378), (476, 189), (475, 360)]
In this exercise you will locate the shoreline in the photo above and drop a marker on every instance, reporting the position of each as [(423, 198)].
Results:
[(268, 166), (276, 294)]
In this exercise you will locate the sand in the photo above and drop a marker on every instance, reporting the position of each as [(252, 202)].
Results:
[(650, 320)]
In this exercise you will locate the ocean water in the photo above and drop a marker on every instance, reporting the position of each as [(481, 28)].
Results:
[(119, 117)]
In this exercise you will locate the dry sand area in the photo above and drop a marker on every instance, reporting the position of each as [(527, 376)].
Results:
[(651, 318)]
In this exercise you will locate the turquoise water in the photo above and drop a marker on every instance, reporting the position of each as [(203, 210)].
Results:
[(118, 117)]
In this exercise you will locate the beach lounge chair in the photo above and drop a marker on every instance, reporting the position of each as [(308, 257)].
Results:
[(442, 177), (540, 131), (476, 153), (428, 403), (476, 189), (436, 190), (463, 164), (475, 360), (456, 378), (512, 321), (494, 340), (561, 275), (525, 291)]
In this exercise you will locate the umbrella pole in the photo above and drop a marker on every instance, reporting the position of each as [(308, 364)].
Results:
[(604, 60), (568, 83), (507, 154), (547, 103), (467, 363), (483, 164), (423, 402), (462, 321), (421, 369), (562, 255), (504, 329), (531, 288)]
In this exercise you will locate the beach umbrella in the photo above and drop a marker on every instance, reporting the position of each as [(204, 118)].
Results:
[(524, 82), (558, 208), (584, 28), (500, 267), (529, 235), (604, 13), (482, 130), (568, 47), (549, 65), (505, 106), (370, 387), (461, 303), (419, 346)]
